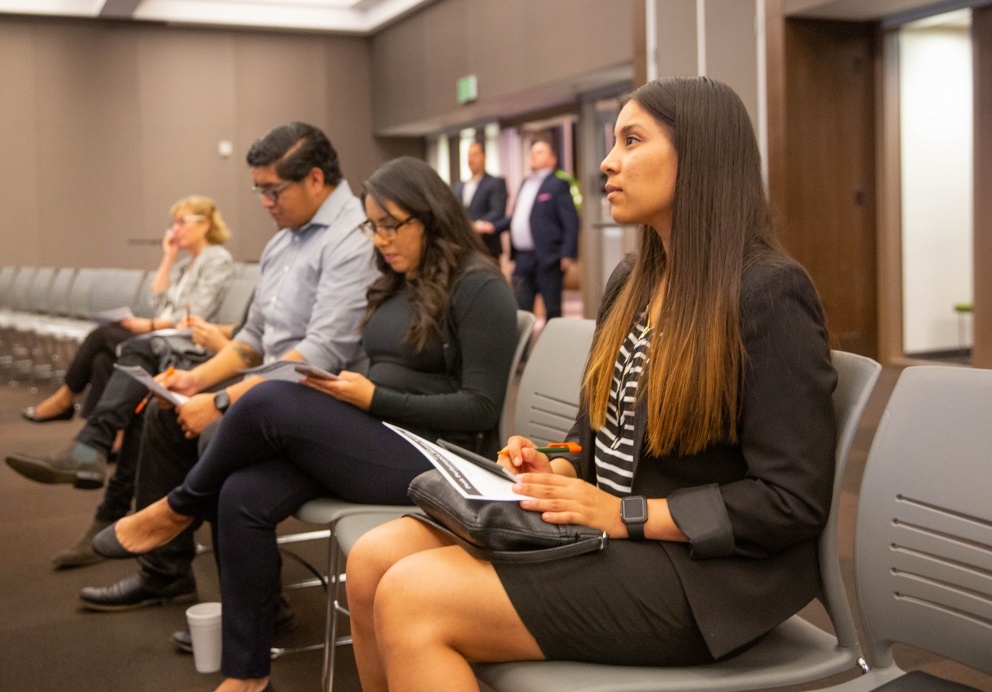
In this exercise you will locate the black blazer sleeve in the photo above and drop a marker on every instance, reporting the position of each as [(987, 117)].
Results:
[(786, 429)]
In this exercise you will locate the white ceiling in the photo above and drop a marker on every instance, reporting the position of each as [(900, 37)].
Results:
[(347, 16)]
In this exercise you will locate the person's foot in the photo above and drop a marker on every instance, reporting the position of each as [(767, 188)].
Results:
[(59, 406), (283, 623), (131, 593), (83, 466), (81, 553), (138, 533), (35, 414), (239, 685)]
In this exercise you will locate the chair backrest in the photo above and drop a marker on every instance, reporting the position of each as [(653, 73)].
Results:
[(58, 294), (923, 539), (7, 275), (234, 307), (82, 289), (525, 327), (20, 287), (856, 377), (247, 270), (37, 296), (548, 396), (144, 304), (115, 288)]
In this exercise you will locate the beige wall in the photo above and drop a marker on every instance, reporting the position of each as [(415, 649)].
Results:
[(103, 125), (527, 56), (729, 40)]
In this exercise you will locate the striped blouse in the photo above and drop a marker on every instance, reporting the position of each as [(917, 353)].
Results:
[(615, 440)]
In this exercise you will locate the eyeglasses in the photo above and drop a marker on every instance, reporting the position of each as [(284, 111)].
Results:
[(186, 218), (372, 229), (271, 192)]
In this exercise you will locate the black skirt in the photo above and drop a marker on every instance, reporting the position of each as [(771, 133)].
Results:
[(623, 605)]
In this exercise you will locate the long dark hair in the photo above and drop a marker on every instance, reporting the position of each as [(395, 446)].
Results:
[(450, 248), (720, 226)]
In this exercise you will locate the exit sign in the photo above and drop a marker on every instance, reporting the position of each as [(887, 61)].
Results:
[(468, 89)]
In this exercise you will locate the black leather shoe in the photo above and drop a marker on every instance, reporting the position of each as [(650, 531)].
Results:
[(83, 466), (30, 414), (283, 623), (131, 593)]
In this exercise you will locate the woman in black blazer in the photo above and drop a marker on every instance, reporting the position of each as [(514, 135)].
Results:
[(707, 431)]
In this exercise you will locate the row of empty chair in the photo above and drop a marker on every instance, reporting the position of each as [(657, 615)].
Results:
[(45, 312)]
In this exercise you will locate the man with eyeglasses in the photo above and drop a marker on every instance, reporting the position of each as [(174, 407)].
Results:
[(308, 306)]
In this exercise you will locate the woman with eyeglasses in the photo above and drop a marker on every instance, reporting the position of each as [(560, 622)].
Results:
[(439, 332), (191, 279)]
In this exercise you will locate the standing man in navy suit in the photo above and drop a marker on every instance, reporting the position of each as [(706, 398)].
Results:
[(484, 199), (544, 230)]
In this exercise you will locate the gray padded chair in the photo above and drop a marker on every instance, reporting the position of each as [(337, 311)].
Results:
[(360, 518), (923, 536), (144, 304), (233, 309), (795, 652)]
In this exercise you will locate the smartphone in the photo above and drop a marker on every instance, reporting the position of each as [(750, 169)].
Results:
[(478, 460), (315, 372)]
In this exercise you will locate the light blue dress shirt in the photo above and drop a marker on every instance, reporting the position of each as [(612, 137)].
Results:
[(311, 290)]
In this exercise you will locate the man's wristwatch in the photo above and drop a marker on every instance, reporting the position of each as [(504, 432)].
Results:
[(222, 400), (634, 512)]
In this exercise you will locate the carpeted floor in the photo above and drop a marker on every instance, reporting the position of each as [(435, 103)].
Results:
[(48, 643)]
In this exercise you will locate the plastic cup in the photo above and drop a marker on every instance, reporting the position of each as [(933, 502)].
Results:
[(205, 632)]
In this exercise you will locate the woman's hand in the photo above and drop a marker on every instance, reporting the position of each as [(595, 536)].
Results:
[(205, 334), (520, 457), (350, 387), (563, 500), (170, 245)]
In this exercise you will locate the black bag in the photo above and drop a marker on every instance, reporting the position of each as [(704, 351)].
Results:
[(498, 531), (164, 351)]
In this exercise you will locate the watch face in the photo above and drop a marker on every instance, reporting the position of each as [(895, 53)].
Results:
[(634, 510), (222, 400)]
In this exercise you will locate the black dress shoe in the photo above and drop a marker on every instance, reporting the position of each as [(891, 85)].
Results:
[(83, 466), (132, 592), (283, 623), (30, 414)]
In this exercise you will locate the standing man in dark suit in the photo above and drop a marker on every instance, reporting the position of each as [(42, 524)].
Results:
[(544, 230), (484, 199)]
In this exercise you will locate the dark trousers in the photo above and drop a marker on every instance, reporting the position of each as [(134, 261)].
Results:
[(281, 445), (94, 362), (116, 411), (532, 276)]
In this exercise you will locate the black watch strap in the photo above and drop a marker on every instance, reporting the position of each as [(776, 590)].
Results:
[(634, 513), (222, 400)]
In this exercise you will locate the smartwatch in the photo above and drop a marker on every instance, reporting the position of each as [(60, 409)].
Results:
[(634, 512), (222, 400)]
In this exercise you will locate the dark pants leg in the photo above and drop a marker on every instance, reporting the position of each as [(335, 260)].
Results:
[(279, 446), (101, 368), (166, 457), (120, 488), (251, 504), (104, 339), (115, 409), (524, 285), (549, 279)]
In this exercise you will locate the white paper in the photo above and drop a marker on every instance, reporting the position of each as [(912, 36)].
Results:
[(142, 376), (114, 315), (277, 370), (471, 481)]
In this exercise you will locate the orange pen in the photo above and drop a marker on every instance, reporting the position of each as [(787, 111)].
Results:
[(144, 402), (559, 447)]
